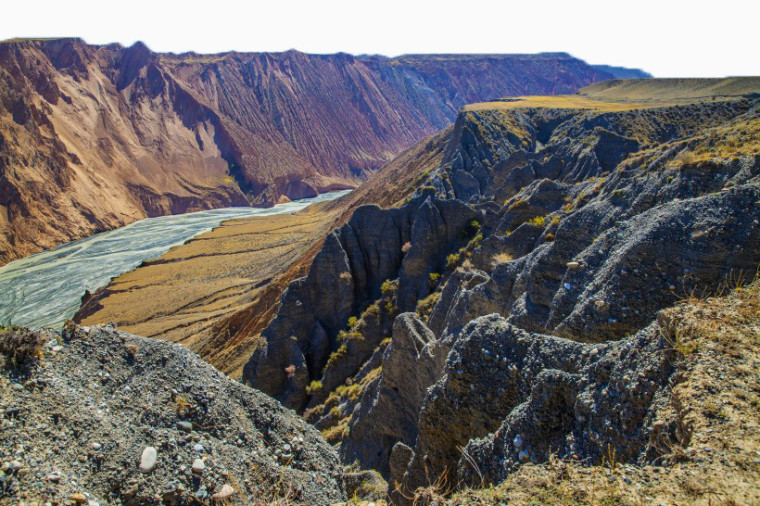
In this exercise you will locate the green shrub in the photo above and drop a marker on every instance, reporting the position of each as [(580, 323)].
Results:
[(426, 305), (434, 278), (452, 261), (538, 221), (313, 387), (389, 288), (472, 228)]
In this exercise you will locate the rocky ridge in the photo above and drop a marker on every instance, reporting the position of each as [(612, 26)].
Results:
[(580, 221)]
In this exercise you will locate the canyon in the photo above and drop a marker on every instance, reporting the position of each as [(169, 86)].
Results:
[(554, 299), (95, 137)]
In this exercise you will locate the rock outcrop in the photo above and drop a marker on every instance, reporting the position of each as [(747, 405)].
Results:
[(354, 263), (94, 137), (537, 335)]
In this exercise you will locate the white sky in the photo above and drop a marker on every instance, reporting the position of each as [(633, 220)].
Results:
[(667, 38)]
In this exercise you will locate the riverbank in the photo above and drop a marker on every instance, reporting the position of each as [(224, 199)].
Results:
[(184, 293), (45, 289)]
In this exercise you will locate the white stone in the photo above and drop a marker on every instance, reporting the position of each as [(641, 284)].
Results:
[(148, 459)]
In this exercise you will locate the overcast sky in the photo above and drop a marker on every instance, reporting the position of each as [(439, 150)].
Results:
[(666, 38)]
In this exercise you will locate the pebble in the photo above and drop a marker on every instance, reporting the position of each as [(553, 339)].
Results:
[(518, 441), (524, 456), (198, 466), (185, 426), (54, 477), (97, 446), (198, 448), (573, 265), (148, 459), (225, 493), (79, 498)]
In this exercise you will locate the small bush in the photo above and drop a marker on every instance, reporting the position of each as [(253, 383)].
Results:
[(313, 387), (345, 275), (426, 305), (472, 228), (538, 221), (452, 261), (20, 345), (338, 354), (501, 258), (433, 279), (389, 288), (352, 322), (517, 204)]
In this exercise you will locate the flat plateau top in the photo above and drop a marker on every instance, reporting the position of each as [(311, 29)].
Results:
[(627, 94)]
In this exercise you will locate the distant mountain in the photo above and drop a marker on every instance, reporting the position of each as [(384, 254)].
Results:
[(622, 72), (95, 137)]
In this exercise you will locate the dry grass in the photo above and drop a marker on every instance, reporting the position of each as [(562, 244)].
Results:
[(501, 258), (183, 294), (556, 102), (20, 346)]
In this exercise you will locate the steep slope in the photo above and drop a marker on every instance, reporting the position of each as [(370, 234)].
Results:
[(217, 292), (506, 313), (93, 137)]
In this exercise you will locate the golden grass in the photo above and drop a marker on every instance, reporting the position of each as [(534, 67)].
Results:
[(181, 295), (557, 102)]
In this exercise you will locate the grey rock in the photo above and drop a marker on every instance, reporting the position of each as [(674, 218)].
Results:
[(198, 466)]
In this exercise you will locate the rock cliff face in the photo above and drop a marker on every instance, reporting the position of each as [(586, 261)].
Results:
[(579, 219), (94, 137)]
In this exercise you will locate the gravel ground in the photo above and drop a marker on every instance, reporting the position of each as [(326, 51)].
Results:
[(100, 416)]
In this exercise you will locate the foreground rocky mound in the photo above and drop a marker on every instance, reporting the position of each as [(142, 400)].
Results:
[(454, 351), (100, 416)]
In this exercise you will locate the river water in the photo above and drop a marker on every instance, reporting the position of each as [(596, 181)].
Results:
[(45, 289)]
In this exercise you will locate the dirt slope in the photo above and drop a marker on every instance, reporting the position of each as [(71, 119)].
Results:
[(217, 291)]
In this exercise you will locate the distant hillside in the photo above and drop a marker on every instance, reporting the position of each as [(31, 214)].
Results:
[(676, 90), (622, 72), (94, 137)]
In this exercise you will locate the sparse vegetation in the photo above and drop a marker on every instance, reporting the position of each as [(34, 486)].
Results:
[(425, 306), (314, 387), (501, 258), (537, 221), (452, 261)]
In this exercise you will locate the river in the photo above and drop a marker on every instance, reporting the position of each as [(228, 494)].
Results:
[(45, 289)]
